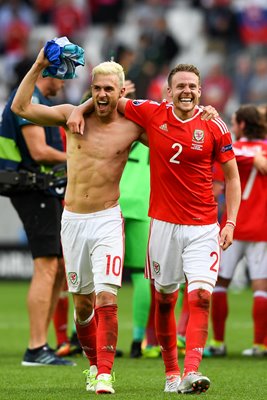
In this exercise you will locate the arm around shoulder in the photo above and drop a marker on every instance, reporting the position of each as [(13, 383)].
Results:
[(75, 122), (122, 104)]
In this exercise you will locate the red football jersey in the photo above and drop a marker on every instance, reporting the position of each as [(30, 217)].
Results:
[(251, 223), (181, 157)]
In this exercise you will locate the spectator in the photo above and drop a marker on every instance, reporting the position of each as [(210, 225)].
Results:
[(44, 10), (18, 13), (217, 87), (106, 11), (242, 77), (257, 87), (252, 24), (69, 20), (221, 27), (164, 48)]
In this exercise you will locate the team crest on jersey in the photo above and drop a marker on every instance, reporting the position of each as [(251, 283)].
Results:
[(73, 278), (198, 136), (156, 267), (138, 102)]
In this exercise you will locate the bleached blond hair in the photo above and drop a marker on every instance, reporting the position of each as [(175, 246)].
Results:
[(110, 68)]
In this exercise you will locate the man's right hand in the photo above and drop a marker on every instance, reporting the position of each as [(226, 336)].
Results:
[(41, 60)]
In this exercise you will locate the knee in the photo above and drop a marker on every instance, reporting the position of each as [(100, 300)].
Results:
[(106, 294), (199, 298), (105, 298), (84, 307), (166, 301)]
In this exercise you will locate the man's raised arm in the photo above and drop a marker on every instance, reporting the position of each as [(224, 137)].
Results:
[(38, 113)]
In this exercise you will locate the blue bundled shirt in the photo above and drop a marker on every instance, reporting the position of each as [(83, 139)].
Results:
[(64, 57)]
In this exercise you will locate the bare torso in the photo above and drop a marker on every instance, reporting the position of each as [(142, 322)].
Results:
[(96, 161)]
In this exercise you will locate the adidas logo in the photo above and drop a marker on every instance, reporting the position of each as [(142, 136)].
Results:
[(164, 127), (198, 349)]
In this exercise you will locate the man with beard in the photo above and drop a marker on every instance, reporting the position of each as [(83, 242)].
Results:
[(184, 242)]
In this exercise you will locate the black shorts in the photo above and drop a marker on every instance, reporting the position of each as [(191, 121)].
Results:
[(41, 218)]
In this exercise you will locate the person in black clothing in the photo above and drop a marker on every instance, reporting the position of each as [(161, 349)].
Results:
[(40, 148)]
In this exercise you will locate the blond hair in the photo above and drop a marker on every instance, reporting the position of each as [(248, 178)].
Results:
[(110, 68)]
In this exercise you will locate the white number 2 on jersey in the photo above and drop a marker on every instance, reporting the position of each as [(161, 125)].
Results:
[(173, 159), (249, 184)]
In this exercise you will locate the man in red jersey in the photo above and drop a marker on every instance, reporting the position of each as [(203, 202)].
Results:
[(92, 229), (184, 242), (250, 234), (183, 148)]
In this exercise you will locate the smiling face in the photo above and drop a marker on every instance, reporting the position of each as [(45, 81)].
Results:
[(184, 90), (106, 91)]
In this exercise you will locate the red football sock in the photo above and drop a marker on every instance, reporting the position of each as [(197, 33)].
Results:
[(165, 324), (219, 312), (150, 329), (197, 328), (60, 319), (184, 316), (107, 335), (87, 337), (259, 316)]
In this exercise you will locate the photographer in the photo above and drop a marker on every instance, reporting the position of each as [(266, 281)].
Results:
[(31, 151)]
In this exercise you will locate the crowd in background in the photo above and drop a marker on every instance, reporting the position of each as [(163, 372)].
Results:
[(226, 39)]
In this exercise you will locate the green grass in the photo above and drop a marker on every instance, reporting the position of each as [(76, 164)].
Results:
[(232, 377)]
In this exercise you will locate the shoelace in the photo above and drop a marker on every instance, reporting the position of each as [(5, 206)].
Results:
[(108, 381), (185, 374), (90, 380), (172, 382), (89, 377)]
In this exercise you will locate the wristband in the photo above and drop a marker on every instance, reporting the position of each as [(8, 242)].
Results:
[(232, 223)]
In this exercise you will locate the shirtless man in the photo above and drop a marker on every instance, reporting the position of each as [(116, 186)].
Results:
[(92, 224)]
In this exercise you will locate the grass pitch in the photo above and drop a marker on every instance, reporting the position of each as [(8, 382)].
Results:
[(233, 377)]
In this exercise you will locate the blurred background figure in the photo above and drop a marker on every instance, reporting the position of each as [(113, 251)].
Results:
[(257, 86), (250, 233), (242, 77), (217, 87)]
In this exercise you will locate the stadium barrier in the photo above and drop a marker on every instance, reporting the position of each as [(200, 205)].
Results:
[(15, 262)]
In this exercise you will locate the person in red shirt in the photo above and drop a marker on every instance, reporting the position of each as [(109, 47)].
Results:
[(250, 234), (184, 213), (184, 241)]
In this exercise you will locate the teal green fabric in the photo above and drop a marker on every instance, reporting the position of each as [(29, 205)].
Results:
[(141, 305), (64, 57)]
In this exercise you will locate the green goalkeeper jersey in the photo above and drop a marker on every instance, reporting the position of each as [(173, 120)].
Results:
[(135, 184)]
